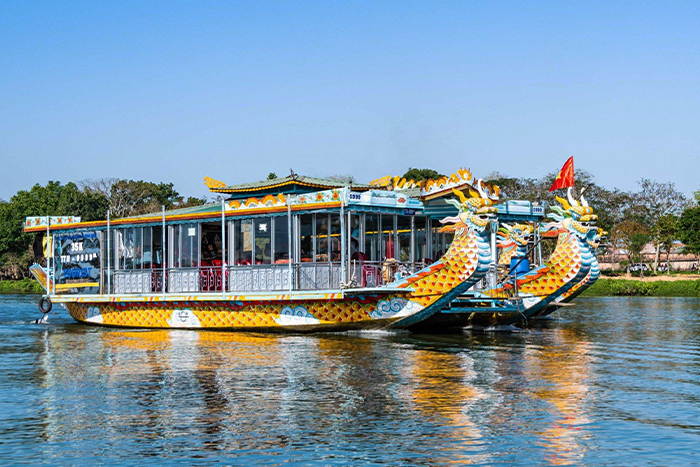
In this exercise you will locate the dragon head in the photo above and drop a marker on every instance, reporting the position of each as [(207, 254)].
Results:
[(475, 212), (596, 236), (520, 234), (574, 216)]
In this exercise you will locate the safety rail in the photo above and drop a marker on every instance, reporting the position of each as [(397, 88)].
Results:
[(260, 277), (378, 273)]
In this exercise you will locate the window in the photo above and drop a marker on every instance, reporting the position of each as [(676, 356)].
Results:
[(334, 240), (186, 251), (243, 241), (420, 238), (388, 228), (403, 233), (145, 260), (355, 234), (321, 240), (281, 240), (263, 240), (306, 237), (211, 243), (372, 237)]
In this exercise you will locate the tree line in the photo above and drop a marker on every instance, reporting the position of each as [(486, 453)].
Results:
[(89, 199), (657, 212)]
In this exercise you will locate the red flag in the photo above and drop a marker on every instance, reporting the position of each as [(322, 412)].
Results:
[(565, 178)]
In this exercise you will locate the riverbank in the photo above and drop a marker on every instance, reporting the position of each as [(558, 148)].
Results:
[(659, 286), (22, 286)]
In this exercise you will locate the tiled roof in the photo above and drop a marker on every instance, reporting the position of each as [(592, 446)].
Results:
[(201, 209), (300, 180)]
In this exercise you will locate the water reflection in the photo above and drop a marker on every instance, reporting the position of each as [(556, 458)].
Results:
[(233, 392), (581, 390), (441, 387), (561, 365)]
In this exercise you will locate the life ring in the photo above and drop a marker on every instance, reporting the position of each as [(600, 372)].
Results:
[(45, 305)]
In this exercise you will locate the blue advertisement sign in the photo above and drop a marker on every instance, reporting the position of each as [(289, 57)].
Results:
[(77, 259)]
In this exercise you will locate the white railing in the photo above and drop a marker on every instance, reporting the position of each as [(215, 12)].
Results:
[(378, 273), (260, 277)]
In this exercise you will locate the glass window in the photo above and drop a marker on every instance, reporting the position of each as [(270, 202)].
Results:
[(281, 242), (403, 233), (334, 241), (388, 237), (306, 237), (263, 240), (144, 259), (157, 253), (211, 243), (243, 239), (322, 237), (188, 254), (437, 240), (125, 248), (420, 242), (372, 237), (355, 236)]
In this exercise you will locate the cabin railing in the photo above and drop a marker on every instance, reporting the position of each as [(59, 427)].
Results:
[(378, 273), (257, 278), (260, 277)]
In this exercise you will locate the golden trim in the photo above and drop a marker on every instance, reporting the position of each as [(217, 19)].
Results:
[(77, 285), (211, 183), (277, 185), (145, 220)]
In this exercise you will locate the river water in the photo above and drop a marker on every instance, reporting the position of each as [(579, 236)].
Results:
[(610, 381)]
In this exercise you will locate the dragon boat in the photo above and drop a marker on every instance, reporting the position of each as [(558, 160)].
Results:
[(595, 237), (568, 266), (512, 292), (288, 254)]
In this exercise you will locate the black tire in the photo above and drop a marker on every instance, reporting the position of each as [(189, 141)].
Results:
[(45, 305)]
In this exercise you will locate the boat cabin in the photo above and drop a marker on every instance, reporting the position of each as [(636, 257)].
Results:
[(291, 234)]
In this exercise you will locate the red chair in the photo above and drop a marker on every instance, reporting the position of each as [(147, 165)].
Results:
[(370, 273)]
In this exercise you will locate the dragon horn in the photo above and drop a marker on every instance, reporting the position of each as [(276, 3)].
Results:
[(563, 202), (461, 196), (508, 227), (570, 196), (482, 191), (583, 201)]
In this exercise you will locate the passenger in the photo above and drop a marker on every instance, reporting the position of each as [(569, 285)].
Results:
[(354, 246)]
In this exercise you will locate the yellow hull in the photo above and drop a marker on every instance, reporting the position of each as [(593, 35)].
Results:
[(360, 312)]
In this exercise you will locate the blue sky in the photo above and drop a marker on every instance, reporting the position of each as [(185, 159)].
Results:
[(175, 91)]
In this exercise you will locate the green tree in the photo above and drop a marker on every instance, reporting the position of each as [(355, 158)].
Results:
[(611, 206), (135, 197), (655, 201), (688, 230), (629, 236), (271, 176), (528, 189), (421, 174), (664, 231), (53, 199)]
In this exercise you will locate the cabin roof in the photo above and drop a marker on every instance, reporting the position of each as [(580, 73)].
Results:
[(201, 209), (290, 184)]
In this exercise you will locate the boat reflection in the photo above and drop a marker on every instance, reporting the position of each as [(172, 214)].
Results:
[(172, 392), (561, 364), (441, 388)]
